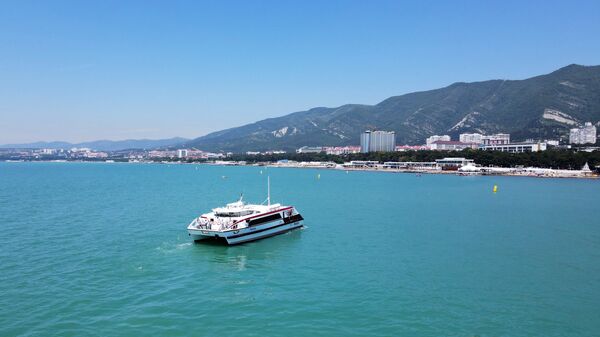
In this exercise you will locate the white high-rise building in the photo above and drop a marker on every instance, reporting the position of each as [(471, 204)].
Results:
[(377, 141), (435, 138), (182, 153), (584, 135), (475, 138)]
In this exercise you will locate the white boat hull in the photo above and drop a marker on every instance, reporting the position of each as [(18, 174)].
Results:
[(242, 235)]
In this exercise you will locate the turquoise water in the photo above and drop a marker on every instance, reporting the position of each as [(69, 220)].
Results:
[(101, 250)]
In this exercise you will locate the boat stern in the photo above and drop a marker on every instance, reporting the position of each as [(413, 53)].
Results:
[(197, 233)]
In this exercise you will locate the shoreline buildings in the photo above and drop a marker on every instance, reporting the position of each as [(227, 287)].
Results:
[(384, 141), (182, 153), (478, 138), (496, 139), (450, 145), (584, 135), (339, 150), (516, 147), (377, 141)]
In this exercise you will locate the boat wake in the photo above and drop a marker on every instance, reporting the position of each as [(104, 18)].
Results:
[(170, 248)]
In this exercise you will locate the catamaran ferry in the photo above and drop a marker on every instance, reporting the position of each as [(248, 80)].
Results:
[(240, 222)]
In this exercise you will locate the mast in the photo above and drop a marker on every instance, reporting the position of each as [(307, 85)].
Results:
[(268, 190)]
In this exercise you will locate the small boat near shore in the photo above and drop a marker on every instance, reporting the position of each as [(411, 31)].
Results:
[(239, 222)]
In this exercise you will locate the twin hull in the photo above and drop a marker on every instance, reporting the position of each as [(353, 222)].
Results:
[(251, 233)]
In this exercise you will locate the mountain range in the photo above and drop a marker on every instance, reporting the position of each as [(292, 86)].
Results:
[(541, 107), (103, 145)]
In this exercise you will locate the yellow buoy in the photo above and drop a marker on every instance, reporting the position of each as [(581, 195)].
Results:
[(495, 188)]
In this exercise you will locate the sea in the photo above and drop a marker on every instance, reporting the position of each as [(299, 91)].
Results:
[(101, 249)]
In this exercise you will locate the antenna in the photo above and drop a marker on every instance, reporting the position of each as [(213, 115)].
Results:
[(268, 190)]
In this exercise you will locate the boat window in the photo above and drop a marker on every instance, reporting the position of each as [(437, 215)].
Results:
[(233, 214), (227, 215), (259, 221)]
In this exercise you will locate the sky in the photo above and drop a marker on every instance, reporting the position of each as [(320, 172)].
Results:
[(88, 70)]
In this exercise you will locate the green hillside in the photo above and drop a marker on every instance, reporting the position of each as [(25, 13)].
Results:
[(541, 107)]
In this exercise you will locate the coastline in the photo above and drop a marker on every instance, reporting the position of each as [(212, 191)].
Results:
[(562, 174), (509, 172)]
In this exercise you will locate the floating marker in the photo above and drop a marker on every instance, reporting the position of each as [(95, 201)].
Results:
[(318, 176), (495, 188)]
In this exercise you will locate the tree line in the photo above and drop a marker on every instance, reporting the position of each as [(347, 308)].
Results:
[(553, 158)]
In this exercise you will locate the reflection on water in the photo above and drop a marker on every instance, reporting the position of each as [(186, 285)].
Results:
[(247, 254)]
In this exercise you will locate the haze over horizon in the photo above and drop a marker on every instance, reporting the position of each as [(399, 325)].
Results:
[(74, 71)]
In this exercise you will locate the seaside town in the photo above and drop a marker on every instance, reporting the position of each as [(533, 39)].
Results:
[(580, 139)]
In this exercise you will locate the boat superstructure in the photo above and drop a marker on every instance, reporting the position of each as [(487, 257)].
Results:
[(240, 222)]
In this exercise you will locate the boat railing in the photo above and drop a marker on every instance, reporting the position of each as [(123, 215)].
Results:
[(217, 224), (202, 223)]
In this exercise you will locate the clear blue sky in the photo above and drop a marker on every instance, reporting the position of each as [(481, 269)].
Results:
[(87, 70)]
